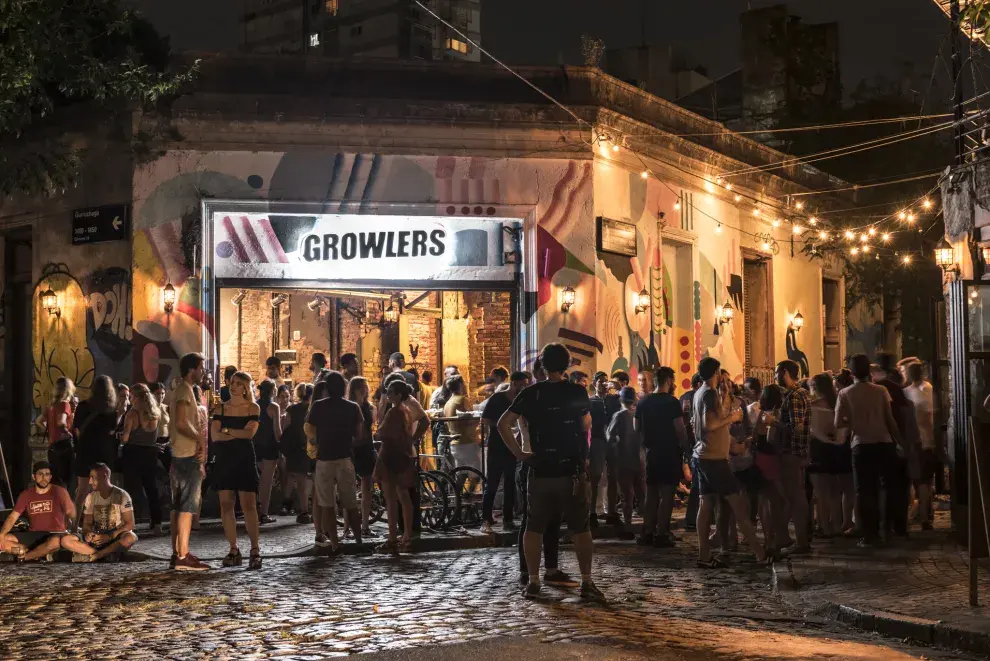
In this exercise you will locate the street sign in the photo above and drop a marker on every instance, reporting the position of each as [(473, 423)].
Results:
[(98, 224)]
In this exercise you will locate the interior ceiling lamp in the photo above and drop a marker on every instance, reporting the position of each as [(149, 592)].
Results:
[(239, 297), (945, 257), (49, 301), (725, 314), (168, 298), (797, 321), (642, 301), (567, 298)]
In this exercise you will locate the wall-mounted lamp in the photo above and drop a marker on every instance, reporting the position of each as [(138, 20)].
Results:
[(945, 257), (725, 314), (49, 301), (797, 321), (567, 298), (391, 314), (168, 298), (279, 299), (238, 298), (642, 301)]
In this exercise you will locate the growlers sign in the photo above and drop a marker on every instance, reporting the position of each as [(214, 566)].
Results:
[(357, 247)]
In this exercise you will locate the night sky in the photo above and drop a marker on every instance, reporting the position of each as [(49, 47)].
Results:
[(877, 37)]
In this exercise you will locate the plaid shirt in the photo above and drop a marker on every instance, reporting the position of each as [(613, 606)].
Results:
[(795, 414)]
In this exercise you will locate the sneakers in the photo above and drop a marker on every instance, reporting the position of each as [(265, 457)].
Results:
[(590, 592), (508, 525), (171, 563), (190, 563), (304, 518), (532, 591), (267, 519), (323, 541), (486, 528), (559, 579), (82, 557)]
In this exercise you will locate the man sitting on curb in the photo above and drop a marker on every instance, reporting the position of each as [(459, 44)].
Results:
[(108, 519), (48, 508)]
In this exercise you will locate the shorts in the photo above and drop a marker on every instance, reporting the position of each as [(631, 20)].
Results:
[(555, 498), (715, 477), (32, 539), (335, 480), (187, 480), (266, 450), (234, 466), (365, 459)]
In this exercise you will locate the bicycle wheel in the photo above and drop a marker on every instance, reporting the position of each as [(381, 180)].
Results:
[(453, 498), (378, 507), (469, 484), (434, 501)]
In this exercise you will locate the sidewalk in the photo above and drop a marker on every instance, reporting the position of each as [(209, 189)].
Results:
[(916, 588)]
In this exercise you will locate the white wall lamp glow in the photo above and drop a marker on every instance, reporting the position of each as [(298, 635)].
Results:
[(642, 301), (49, 301), (797, 321), (168, 298), (568, 297)]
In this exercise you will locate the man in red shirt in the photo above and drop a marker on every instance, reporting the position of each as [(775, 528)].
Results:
[(48, 507)]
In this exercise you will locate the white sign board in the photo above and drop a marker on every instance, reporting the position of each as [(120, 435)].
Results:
[(358, 247)]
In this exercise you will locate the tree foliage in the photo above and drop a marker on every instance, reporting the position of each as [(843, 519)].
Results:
[(56, 54)]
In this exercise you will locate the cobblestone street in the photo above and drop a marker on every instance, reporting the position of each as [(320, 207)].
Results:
[(661, 607)]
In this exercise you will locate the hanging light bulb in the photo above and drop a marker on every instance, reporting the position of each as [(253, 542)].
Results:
[(644, 174), (728, 187), (798, 229), (812, 221), (866, 248), (927, 203), (823, 235), (885, 237), (864, 237), (902, 215), (766, 246), (756, 212), (775, 223), (873, 231), (854, 251), (850, 235), (906, 259), (709, 188), (910, 217), (677, 205), (738, 197), (718, 228), (799, 205)]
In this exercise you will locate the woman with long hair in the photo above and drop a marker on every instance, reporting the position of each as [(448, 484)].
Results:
[(322, 539), (56, 421), (293, 448), (95, 428), (831, 458), (395, 469), (365, 458), (266, 444), (140, 459), (236, 468), (773, 505)]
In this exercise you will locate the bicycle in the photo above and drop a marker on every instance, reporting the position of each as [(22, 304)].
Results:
[(468, 482)]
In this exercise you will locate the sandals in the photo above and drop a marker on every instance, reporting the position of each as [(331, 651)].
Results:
[(233, 559), (404, 546), (255, 560), (713, 563), (390, 546)]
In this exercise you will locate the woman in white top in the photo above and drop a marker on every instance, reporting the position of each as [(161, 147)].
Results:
[(830, 457)]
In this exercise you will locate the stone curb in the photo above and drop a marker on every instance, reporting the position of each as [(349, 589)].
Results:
[(895, 625)]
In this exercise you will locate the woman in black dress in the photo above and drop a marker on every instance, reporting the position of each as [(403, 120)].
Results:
[(266, 444), (235, 467), (298, 465), (95, 428)]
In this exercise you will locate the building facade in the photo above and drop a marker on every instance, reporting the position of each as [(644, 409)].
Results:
[(546, 231)]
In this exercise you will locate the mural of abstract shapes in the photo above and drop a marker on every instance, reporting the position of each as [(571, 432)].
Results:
[(610, 326), (620, 363), (165, 242), (697, 300), (156, 359), (736, 291), (59, 346), (249, 242), (580, 345), (109, 315), (699, 349), (551, 257), (470, 248), (463, 186), (795, 354), (684, 367), (576, 181)]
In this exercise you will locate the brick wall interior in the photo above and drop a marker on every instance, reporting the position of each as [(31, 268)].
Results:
[(489, 332)]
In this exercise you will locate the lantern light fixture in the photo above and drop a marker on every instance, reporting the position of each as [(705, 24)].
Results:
[(168, 297), (945, 256), (642, 301), (49, 301), (391, 314), (568, 297), (725, 314), (797, 321)]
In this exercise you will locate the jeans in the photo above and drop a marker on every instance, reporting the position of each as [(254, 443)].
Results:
[(873, 464), (898, 498), (499, 468), (551, 538), (602, 455), (141, 476), (659, 506), (792, 474)]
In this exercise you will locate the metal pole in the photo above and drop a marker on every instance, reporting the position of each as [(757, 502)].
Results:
[(957, 83)]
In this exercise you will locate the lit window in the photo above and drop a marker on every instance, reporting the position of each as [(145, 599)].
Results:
[(457, 46), (314, 39), (332, 7)]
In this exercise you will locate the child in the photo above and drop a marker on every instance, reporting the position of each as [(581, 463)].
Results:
[(628, 446)]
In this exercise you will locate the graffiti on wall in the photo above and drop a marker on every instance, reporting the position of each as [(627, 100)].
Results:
[(109, 312), (795, 354)]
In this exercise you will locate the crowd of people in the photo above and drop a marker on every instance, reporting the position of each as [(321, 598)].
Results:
[(832, 455)]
